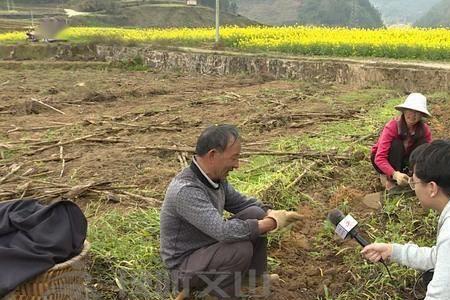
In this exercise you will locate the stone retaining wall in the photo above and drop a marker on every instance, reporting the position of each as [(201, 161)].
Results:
[(359, 73)]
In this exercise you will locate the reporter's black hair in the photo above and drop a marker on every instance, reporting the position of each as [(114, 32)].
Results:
[(415, 155), (433, 164)]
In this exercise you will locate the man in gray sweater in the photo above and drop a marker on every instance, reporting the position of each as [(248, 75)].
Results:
[(201, 248), (431, 182)]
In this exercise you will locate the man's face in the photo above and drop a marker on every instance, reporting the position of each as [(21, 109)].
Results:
[(228, 160), (422, 193)]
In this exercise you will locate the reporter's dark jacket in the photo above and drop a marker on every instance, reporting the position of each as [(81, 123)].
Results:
[(35, 237)]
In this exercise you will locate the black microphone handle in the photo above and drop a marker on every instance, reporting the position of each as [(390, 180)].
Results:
[(355, 234), (335, 215)]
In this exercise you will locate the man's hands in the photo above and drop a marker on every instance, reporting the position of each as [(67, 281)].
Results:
[(283, 218), (374, 252), (401, 178)]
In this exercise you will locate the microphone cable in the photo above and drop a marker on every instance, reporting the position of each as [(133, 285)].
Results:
[(387, 269)]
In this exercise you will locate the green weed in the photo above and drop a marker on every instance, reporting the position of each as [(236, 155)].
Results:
[(125, 251)]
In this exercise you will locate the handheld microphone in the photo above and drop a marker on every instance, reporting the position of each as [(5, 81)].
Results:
[(346, 226)]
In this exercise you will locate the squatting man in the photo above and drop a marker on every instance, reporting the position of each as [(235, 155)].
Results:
[(202, 249)]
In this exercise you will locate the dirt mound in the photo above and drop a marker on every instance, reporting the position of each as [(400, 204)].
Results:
[(346, 194)]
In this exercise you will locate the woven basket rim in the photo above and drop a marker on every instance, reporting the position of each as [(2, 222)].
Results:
[(73, 260)]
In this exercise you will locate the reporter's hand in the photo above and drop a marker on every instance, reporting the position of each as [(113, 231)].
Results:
[(401, 178), (374, 252), (283, 218)]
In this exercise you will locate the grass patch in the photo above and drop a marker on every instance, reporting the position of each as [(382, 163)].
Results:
[(125, 253), (340, 136), (268, 177), (136, 64), (269, 182), (400, 221)]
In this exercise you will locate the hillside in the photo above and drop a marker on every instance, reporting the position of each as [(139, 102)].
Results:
[(147, 13), (437, 16), (395, 12), (357, 13), (272, 12), (161, 15), (349, 13)]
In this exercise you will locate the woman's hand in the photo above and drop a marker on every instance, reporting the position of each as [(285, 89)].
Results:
[(401, 178)]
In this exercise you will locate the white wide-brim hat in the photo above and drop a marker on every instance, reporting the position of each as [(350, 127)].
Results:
[(417, 102)]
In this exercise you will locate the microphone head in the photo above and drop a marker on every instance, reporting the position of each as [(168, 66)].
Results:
[(335, 216)]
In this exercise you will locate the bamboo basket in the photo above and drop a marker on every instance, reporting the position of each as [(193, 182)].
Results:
[(64, 281)]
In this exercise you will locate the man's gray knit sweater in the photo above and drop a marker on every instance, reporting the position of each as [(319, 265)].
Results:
[(426, 258), (192, 216)]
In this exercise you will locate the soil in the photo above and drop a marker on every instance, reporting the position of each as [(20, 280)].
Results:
[(125, 110)]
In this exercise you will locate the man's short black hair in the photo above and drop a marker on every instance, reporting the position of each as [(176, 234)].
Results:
[(216, 137), (433, 164), (415, 155)]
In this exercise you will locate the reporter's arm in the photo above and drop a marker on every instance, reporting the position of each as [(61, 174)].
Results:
[(413, 256), (438, 288)]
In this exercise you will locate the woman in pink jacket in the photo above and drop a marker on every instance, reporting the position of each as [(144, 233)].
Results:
[(400, 136)]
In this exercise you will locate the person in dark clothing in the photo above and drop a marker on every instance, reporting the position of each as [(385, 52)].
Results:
[(400, 136), (34, 237), (197, 244)]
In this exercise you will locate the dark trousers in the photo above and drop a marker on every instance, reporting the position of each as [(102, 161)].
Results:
[(397, 158), (218, 268)]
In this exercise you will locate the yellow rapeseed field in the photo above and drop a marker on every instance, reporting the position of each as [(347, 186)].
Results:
[(412, 43), (11, 36)]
